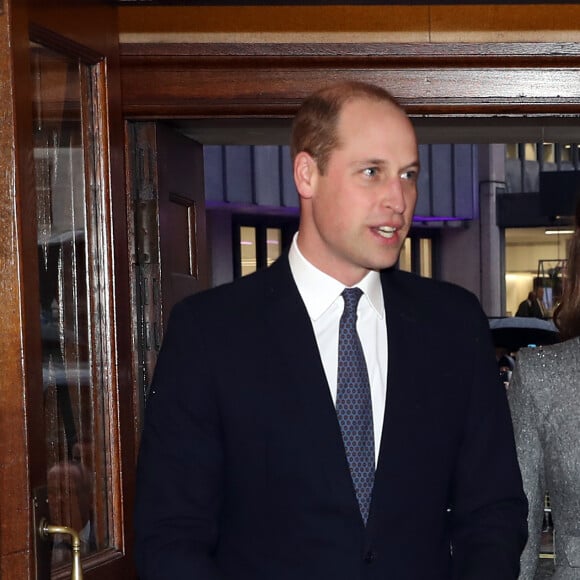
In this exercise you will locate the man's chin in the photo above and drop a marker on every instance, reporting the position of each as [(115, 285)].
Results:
[(379, 265)]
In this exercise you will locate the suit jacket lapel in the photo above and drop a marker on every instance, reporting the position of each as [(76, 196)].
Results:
[(305, 380), (403, 332), (403, 328)]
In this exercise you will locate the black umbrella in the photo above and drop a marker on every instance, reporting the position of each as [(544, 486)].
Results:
[(514, 332)]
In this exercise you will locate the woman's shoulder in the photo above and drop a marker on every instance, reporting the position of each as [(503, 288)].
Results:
[(561, 354), (550, 370)]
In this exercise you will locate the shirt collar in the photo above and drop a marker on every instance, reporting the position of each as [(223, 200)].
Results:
[(319, 290)]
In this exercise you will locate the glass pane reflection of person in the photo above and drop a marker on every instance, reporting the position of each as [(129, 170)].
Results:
[(543, 395), (70, 500)]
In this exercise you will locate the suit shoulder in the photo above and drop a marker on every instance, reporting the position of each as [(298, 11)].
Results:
[(439, 291), (232, 298)]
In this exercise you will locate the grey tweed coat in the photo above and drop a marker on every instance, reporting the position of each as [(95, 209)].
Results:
[(544, 398)]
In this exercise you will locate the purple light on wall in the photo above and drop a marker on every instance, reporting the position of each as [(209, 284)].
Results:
[(418, 219)]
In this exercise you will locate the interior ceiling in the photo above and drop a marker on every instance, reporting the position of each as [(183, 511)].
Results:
[(533, 236), (270, 131)]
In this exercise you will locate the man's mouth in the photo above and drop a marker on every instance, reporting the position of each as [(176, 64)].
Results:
[(386, 231)]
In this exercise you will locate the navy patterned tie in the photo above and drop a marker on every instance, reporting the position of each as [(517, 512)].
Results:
[(353, 403)]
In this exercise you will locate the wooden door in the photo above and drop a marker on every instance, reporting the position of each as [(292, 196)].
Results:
[(67, 431), (166, 193)]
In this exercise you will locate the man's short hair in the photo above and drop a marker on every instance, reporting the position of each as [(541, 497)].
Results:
[(314, 126)]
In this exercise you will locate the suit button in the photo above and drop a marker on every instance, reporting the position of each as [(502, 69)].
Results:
[(370, 557)]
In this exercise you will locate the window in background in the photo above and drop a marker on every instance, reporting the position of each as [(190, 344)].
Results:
[(567, 153), (248, 252), (417, 255), (530, 151), (548, 153), (405, 256), (426, 257), (259, 240), (525, 250), (273, 244), (512, 151)]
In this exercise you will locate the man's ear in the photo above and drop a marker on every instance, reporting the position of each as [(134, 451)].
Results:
[(305, 174)]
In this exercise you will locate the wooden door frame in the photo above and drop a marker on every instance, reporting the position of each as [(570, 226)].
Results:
[(94, 31), (439, 81), (18, 228)]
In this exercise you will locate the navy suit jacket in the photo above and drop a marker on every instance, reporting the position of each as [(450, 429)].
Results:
[(242, 472)]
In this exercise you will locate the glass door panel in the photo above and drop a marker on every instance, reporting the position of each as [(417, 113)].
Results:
[(74, 361)]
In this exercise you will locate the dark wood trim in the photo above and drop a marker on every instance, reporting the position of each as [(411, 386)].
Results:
[(408, 52), (61, 44), (269, 80), (20, 313), (324, 2)]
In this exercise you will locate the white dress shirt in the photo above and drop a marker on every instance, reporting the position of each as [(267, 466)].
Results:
[(322, 297)]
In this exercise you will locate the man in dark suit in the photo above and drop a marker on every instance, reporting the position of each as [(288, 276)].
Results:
[(533, 305), (247, 469)]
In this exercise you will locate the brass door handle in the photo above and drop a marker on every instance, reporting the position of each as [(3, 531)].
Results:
[(45, 529)]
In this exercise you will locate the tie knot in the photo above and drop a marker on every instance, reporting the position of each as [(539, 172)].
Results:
[(351, 297)]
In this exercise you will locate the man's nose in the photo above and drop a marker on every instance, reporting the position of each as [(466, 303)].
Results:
[(394, 195)]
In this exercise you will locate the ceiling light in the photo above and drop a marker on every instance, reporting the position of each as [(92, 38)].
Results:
[(552, 231)]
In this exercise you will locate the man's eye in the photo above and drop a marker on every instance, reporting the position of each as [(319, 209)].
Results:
[(410, 175), (370, 171)]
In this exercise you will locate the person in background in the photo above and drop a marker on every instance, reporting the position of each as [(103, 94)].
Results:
[(533, 305), (543, 396), (291, 432), (506, 367)]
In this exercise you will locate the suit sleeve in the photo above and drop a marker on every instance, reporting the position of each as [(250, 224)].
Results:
[(531, 458), (179, 475), (489, 508), (523, 309)]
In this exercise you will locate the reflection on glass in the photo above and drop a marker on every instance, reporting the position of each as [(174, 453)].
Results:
[(68, 260)]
